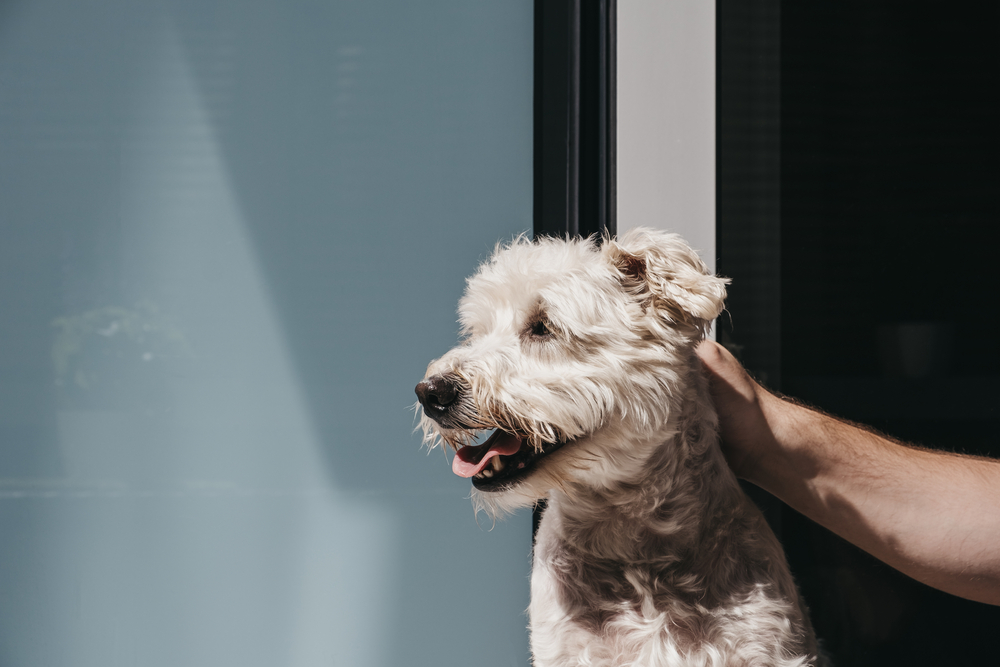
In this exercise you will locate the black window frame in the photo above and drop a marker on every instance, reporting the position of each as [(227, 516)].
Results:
[(574, 124)]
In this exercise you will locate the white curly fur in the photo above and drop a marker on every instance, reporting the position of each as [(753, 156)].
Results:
[(649, 553)]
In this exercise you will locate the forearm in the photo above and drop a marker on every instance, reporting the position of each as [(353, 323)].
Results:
[(934, 516)]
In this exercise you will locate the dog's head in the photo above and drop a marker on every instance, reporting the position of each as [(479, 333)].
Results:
[(575, 355)]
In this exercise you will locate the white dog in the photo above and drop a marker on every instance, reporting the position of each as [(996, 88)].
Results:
[(582, 358)]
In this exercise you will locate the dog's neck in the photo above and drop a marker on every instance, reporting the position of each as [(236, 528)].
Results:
[(665, 512)]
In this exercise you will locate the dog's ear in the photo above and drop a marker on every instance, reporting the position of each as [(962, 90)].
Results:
[(661, 271)]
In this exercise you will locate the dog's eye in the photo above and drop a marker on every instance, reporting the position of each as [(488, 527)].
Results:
[(540, 330)]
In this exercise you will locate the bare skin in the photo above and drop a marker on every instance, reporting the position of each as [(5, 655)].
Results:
[(932, 515)]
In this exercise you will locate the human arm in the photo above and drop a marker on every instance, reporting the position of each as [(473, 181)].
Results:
[(932, 515)]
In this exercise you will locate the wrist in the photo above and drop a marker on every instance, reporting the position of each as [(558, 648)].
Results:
[(783, 466)]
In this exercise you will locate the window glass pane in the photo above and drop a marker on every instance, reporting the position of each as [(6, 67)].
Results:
[(232, 235)]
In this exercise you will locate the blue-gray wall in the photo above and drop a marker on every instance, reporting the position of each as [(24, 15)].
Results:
[(232, 235)]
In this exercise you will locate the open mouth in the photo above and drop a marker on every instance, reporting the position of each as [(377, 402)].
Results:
[(500, 462)]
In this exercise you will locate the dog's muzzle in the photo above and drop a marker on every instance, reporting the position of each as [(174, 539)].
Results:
[(496, 465)]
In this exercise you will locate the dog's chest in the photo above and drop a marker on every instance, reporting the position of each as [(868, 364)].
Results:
[(621, 628), (592, 611), (612, 613)]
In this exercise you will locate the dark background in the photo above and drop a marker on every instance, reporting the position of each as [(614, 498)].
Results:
[(858, 198)]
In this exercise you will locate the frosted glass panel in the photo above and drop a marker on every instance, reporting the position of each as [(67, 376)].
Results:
[(232, 235)]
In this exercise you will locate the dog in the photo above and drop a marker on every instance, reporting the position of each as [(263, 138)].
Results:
[(579, 355)]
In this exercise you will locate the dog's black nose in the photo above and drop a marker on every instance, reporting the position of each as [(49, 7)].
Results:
[(437, 393)]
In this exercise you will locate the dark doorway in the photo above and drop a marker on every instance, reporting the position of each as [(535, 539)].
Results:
[(859, 190)]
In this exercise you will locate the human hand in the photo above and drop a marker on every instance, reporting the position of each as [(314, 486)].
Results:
[(743, 407)]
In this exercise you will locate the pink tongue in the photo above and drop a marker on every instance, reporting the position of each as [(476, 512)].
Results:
[(467, 460)]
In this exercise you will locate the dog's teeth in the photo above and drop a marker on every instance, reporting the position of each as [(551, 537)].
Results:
[(497, 464), (486, 472)]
